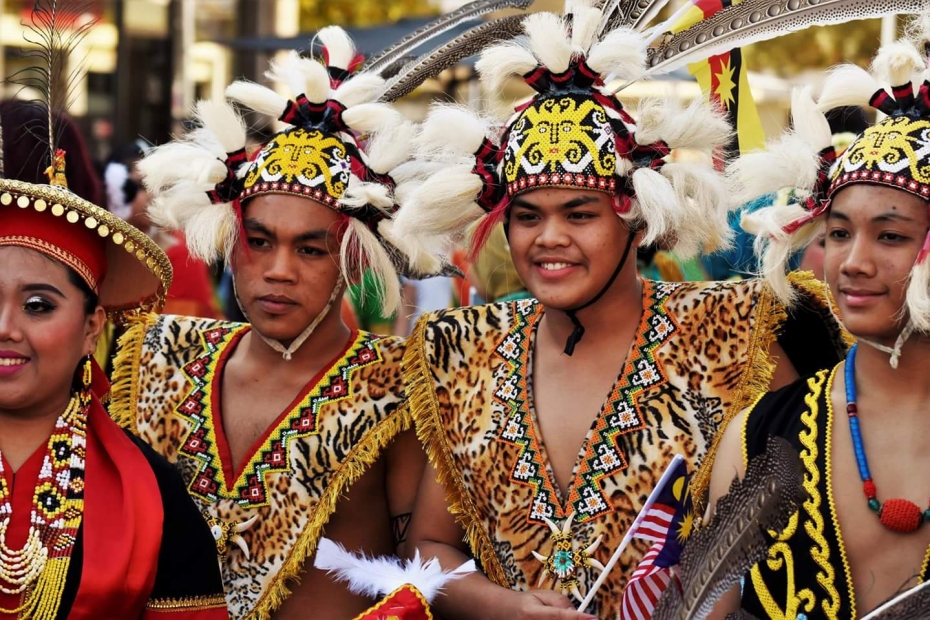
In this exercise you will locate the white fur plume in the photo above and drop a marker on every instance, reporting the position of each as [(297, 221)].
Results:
[(210, 230), (178, 161), (391, 147), (362, 250), (422, 257), (340, 50), (290, 70), (656, 204), (699, 127), (702, 192), (549, 40), (371, 117), (499, 63), (621, 53), (847, 85), (437, 141), (375, 577), (792, 162), (360, 194), (361, 88), (257, 97), (222, 120), (897, 62), (586, 18), (918, 297), (442, 206)]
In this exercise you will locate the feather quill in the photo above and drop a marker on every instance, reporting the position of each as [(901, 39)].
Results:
[(470, 11), (468, 44), (55, 32), (719, 554), (629, 13), (377, 576), (760, 20), (913, 604)]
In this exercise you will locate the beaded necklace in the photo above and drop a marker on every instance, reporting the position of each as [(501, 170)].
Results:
[(898, 515), (40, 568)]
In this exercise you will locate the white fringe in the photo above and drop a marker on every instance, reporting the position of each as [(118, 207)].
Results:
[(549, 40)]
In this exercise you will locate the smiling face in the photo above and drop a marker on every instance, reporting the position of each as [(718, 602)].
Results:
[(287, 274), (873, 236), (566, 244), (44, 330)]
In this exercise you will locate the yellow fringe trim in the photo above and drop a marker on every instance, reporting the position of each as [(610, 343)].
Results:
[(363, 455), (424, 408), (124, 388), (769, 316), (187, 603)]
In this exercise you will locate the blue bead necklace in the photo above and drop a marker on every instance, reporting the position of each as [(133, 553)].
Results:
[(899, 515)]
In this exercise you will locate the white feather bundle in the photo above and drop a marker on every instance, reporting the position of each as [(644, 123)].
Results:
[(442, 206), (450, 132), (702, 192), (897, 62), (360, 193), (178, 161), (361, 88), (499, 63), (391, 147), (257, 97), (223, 122), (375, 577), (656, 205), (918, 297), (586, 18), (699, 127), (774, 247), (290, 70), (549, 40), (847, 85), (371, 117), (210, 230), (621, 53), (340, 50), (422, 259), (809, 123), (361, 250)]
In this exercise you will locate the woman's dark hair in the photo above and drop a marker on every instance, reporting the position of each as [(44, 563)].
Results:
[(26, 150), (91, 301)]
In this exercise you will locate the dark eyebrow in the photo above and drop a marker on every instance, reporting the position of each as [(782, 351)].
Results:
[(255, 226), (574, 203), (888, 216), (39, 287), (320, 234)]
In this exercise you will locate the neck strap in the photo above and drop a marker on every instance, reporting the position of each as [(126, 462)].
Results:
[(578, 332)]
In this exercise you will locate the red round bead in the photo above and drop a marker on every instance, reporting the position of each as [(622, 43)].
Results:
[(900, 515), (869, 488), (851, 410)]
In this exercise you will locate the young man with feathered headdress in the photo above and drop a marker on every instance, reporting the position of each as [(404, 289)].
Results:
[(540, 475), (291, 423), (861, 535)]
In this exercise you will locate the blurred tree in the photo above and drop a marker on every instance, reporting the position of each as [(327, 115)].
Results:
[(315, 14)]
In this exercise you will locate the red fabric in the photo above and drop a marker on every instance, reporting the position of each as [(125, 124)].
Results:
[(122, 526), (191, 291), (404, 603), (21, 485), (85, 249)]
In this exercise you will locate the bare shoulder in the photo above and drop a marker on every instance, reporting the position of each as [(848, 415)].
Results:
[(730, 463)]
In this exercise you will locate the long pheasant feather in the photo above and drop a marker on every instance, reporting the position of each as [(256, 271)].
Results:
[(760, 20), (719, 554), (470, 11), (635, 14), (468, 44), (914, 604)]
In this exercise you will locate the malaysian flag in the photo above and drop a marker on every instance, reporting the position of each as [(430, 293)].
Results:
[(668, 524)]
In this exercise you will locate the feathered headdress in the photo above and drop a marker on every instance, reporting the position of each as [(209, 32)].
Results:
[(804, 160)]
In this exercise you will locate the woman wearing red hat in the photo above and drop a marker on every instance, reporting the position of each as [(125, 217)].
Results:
[(93, 524)]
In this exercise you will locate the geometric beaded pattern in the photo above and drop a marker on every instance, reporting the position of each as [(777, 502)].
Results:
[(250, 490), (894, 152), (600, 455), (58, 500)]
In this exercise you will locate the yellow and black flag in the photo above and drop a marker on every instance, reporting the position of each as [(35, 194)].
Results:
[(724, 79)]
